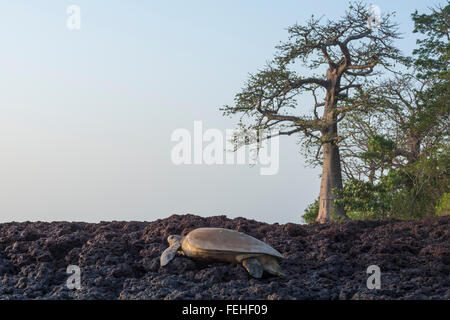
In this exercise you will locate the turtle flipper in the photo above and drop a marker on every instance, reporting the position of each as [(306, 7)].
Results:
[(169, 253), (253, 266), (271, 266)]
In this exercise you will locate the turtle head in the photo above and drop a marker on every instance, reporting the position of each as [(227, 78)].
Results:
[(173, 239), (170, 252)]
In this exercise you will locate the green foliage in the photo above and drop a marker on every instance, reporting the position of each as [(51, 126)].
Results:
[(443, 206), (415, 191), (432, 60), (363, 200), (380, 149), (432, 55), (423, 183), (311, 212)]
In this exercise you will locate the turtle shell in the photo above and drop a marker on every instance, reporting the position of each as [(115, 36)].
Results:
[(219, 239)]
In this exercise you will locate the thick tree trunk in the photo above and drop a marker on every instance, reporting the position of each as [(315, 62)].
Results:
[(331, 178), (331, 170)]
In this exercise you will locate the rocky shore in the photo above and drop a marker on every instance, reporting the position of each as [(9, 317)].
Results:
[(120, 260)]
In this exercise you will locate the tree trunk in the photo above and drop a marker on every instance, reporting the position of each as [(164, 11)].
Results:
[(372, 172), (331, 170), (331, 178), (414, 148)]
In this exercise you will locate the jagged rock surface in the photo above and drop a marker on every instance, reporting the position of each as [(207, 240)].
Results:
[(120, 260)]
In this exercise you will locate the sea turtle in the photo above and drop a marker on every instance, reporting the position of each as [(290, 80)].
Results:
[(225, 245)]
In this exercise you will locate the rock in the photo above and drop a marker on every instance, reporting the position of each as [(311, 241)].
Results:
[(120, 260)]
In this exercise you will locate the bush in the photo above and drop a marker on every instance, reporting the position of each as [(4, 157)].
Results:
[(311, 212), (443, 206), (416, 191)]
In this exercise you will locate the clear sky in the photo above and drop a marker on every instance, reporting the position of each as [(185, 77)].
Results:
[(86, 115)]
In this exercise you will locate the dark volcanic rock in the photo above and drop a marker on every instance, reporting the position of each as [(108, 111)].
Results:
[(120, 260)]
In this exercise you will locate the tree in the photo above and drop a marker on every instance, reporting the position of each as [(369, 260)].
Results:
[(411, 109), (399, 151), (433, 52), (433, 57), (405, 123), (346, 52)]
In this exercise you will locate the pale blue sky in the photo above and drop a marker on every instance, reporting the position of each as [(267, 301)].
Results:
[(86, 116)]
